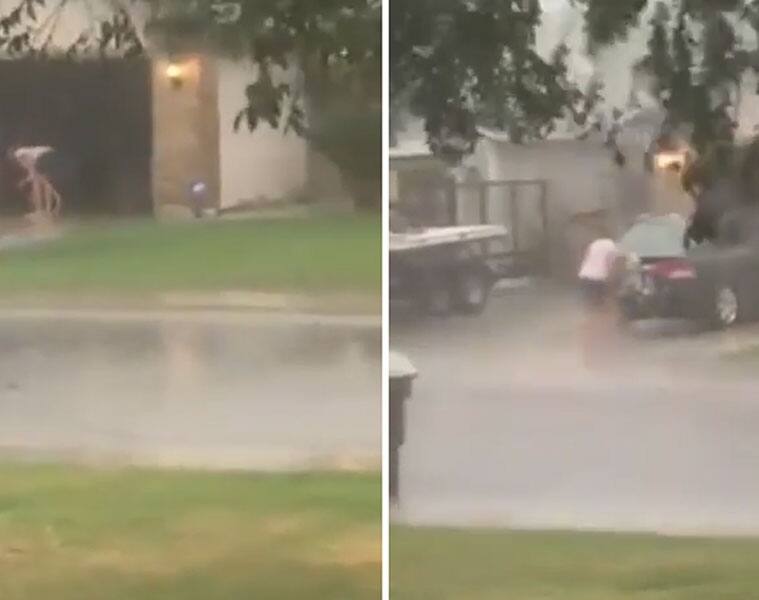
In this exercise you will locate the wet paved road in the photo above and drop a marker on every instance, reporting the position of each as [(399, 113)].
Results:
[(508, 428), (212, 391)]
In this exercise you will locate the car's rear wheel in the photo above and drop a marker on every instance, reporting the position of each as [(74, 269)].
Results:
[(727, 307)]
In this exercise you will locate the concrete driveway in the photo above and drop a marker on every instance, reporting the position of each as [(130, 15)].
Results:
[(508, 428)]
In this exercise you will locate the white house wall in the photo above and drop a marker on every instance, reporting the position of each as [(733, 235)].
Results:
[(258, 166), (574, 168), (581, 178)]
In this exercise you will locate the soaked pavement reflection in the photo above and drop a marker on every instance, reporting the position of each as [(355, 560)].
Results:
[(226, 392), (508, 427)]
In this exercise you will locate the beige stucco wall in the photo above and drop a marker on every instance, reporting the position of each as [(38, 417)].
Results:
[(262, 165)]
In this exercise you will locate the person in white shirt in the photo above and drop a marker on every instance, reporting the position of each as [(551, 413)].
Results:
[(597, 270), (597, 276), (43, 197)]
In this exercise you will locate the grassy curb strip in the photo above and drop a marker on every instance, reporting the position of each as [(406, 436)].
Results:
[(490, 565), (86, 534)]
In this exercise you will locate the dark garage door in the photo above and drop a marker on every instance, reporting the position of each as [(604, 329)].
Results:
[(98, 113)]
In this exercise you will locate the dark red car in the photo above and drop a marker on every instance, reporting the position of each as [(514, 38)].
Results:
[(715, 284)]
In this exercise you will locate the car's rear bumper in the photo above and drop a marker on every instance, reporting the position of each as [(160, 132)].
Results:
[(673, 300)]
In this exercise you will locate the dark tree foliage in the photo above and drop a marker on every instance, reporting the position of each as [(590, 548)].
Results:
[(460, 64), (697, 62), (338, 105), (28, 29), (700, 95), (335, 44), (608, 21), (464, 63)]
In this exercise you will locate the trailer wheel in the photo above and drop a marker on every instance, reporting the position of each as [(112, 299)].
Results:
[(436, 296), (473, 286)]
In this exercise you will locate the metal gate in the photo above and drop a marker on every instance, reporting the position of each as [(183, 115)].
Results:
[(519, 205), (98, 114)]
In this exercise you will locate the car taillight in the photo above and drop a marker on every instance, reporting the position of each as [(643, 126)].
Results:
[(673, 270)]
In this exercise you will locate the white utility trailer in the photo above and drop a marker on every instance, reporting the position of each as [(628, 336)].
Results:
[(447, 269)]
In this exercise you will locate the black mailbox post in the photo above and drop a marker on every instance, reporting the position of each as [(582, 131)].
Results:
[(402, 376)]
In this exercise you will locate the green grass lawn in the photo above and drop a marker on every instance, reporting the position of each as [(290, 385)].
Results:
[(79, 534), (500, 565), (317, 254)]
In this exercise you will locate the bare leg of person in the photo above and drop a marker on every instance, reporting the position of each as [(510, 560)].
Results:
[(36, 198), (54, 200), (595, 339), (47, 197), (587, 335), (58, 202), (27, 185)]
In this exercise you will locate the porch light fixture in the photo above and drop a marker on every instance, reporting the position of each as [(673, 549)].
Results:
[(175, 74), (672, 161)]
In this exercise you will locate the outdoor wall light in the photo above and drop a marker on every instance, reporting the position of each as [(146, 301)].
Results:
[(175, 74), (674, 161)]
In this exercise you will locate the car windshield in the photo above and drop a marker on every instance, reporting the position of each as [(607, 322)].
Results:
[(659, 237)]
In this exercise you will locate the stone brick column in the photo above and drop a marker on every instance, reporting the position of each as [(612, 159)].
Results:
[(185, 133)]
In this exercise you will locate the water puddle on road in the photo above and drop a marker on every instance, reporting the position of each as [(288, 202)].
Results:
[(227, 394)]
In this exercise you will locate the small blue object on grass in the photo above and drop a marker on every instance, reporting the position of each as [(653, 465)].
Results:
[(198, 193)]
